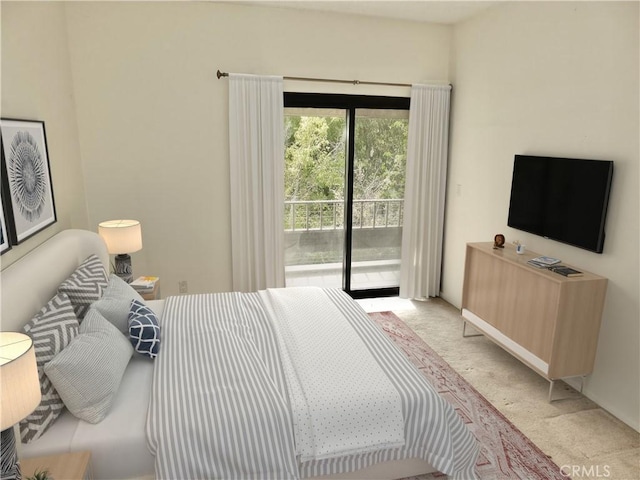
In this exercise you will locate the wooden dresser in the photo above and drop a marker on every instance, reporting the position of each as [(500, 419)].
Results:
[(548, 321)]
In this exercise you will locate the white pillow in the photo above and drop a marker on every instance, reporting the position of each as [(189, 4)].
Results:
[(116, 302), (87, 373)]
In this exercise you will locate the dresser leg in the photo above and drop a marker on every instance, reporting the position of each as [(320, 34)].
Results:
[(552, 384), (464, 331)]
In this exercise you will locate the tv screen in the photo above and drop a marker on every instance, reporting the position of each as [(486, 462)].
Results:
[(561, 198)]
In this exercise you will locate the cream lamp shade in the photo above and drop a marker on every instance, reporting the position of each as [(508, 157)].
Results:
[(121, 236), (19, 382), (19, 394)]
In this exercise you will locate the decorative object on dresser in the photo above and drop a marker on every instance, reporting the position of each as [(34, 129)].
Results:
[(122, 238), (498, 241), (26, 178), (520, 248), (548, 321), (20, 394)]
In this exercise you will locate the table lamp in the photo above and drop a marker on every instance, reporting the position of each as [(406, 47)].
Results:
[(122, 238), (19, 392)]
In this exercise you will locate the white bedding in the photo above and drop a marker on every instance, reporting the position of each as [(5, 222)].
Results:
[(362, 411), (121, 435)]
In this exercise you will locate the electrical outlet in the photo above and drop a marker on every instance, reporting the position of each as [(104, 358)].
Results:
[(183, 287)]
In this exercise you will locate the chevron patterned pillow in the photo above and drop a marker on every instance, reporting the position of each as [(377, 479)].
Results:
[(144, 330), (85, 285), (52, 329)]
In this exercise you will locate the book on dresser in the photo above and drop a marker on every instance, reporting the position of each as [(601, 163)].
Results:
[(566, 271), (547, 261), (533, 263)]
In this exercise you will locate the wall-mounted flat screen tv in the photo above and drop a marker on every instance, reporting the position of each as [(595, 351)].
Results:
[(561, 198)]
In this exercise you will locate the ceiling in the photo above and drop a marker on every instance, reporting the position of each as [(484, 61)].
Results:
[(447, 12)]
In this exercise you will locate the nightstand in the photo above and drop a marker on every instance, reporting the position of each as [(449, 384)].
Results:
[(65, 466), (154, 294)]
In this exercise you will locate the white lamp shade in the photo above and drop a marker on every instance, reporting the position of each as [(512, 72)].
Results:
[(19, 382), (121, 236)]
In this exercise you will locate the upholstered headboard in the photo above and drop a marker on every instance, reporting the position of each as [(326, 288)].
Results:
[(28, 284)]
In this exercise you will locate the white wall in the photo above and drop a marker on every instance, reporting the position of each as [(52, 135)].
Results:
[(557, 79), (37, 85), (153, 117)]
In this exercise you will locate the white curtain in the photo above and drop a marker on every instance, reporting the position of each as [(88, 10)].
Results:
[(427, 152), (256, 147)]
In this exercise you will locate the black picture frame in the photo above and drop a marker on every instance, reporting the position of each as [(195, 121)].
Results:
[(5, 242), (29, 202)]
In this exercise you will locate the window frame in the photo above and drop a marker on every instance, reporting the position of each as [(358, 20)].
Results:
[(349, 103)]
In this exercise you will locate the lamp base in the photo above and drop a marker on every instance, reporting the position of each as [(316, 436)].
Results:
[(9, 464), (123, 267)]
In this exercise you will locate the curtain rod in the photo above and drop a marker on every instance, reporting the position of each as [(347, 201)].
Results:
[(331, 80)]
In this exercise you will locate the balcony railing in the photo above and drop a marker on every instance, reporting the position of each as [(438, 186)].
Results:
[(314, 215)]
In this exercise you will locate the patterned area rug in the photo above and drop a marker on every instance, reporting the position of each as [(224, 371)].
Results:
[(505, 452)]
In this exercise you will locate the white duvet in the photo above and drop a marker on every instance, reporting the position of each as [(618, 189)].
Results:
[(342, 401)]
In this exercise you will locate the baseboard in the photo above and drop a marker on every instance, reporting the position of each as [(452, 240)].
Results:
[(623, 417)]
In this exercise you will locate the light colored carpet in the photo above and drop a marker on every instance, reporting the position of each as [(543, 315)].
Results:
[(578, 435)]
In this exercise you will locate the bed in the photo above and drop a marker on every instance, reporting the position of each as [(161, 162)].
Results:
[(236, 391)]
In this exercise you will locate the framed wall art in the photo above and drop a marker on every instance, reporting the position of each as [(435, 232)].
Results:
[(5, 245), (27, 177)]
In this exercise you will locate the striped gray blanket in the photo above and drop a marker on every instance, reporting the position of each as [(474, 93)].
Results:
[(220, 408)]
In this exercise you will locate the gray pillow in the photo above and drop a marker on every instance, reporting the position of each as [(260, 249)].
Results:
[(51, 330), (116, 302), (85, 285), (87, 373)]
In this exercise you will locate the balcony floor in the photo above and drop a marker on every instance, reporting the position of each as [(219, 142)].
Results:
[(373, 274)]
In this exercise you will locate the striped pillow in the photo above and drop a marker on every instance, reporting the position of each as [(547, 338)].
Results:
[(114, 304), (85, 285), (87, 373), (51, 330)]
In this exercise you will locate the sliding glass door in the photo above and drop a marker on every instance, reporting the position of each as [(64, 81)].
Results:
[(379, 160), (344, 191), (314, 196)]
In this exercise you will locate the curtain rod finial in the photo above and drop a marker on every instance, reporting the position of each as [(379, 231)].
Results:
[(220, 74)]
